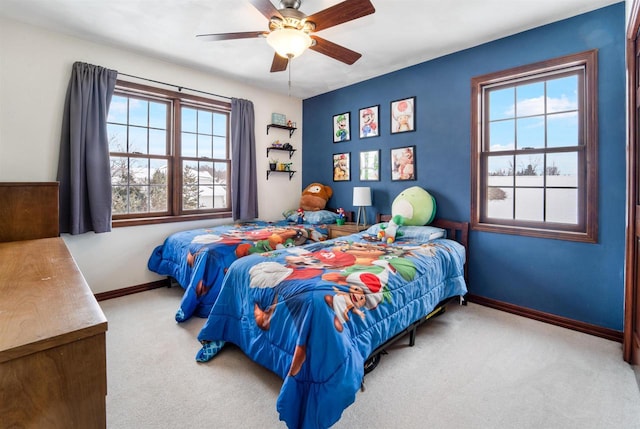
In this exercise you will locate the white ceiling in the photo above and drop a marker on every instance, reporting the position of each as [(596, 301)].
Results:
[(399, 34)]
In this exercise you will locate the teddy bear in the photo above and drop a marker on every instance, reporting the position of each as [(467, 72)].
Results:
[(315, 197)]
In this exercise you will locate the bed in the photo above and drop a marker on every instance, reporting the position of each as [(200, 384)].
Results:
[(316, 314), (197, 259)]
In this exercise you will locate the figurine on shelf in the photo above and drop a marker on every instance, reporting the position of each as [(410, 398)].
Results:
[(301, 217), (289, 123)]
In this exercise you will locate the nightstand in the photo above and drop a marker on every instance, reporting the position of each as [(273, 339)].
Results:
[(348, 228)]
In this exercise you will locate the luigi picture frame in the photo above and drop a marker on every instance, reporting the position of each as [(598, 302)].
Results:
[(403, 114), (342, 127)]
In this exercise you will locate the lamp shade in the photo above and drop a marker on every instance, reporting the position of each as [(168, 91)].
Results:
[(289, 42), (361, 196)]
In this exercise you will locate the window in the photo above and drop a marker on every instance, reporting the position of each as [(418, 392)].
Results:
[(170, 157), (534, 150)]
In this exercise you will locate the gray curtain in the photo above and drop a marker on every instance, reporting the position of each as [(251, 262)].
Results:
[(83, 164), (244, 187)]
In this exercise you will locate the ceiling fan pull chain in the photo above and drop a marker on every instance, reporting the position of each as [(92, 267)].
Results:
[(290, 65)]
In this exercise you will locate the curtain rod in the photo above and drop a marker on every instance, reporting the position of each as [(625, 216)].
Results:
[(180, 88)]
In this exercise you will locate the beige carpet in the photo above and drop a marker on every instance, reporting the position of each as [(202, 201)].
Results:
[(472, 367)]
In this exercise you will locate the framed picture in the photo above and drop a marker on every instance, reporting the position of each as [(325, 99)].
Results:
[(368, 118), (370, 165), (342, 127), (403, 114), (341, 167), (403, 165)]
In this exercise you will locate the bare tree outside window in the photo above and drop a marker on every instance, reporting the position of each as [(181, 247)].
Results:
[(154, 134)]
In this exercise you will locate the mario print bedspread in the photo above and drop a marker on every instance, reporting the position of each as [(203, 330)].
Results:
[(199, 258), (314, 314)]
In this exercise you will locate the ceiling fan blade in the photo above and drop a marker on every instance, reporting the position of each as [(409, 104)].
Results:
[(279, 63), (266, 8), (230, 36), (340, 13), (332, 50)]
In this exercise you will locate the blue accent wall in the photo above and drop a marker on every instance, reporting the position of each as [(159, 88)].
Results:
[(580, 281)]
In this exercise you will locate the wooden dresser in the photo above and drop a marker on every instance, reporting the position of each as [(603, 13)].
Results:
[(52, 340), (28, 210)]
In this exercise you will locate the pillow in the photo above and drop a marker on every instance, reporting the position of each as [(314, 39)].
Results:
[(417, 233), (315, 218)]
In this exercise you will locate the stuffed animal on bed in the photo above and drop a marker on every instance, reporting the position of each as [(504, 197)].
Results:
[(315, 197), (416, 206), (389, 232)]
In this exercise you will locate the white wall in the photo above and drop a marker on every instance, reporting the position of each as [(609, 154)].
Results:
[(35, 67)]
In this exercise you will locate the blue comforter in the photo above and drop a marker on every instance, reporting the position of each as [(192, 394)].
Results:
[(199, 258), (314, 314)]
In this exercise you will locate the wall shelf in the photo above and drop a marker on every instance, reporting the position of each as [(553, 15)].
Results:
[(290, 172), (282, 127), (291, 151)]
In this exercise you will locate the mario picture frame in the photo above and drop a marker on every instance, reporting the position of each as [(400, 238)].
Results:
[(342, 127), (403, 114), (369, 122)]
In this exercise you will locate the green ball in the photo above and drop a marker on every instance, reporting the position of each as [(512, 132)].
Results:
[(415, 205)]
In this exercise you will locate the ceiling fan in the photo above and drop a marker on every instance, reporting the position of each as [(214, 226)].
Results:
[(292, 32)]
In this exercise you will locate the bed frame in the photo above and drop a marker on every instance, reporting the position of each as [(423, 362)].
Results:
[(458, 231)]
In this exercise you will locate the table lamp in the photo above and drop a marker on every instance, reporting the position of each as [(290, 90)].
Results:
[(361, 199)]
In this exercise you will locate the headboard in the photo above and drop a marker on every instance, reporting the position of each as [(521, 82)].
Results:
[(28, 210)]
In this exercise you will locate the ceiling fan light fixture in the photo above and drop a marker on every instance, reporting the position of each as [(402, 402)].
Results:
[(289, 42)]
